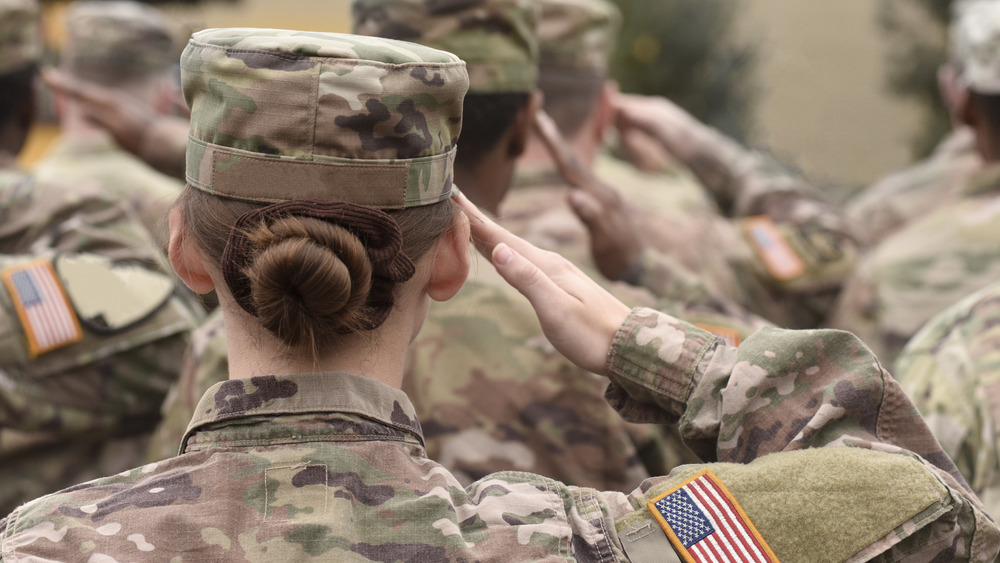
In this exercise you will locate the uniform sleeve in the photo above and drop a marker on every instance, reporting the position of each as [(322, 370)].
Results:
[(951, 369), (800, 245), (42, 216), (779, 390), (782, 391)]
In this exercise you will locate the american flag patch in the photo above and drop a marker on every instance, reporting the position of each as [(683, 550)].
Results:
[(41, 303), (705, 523), (778, 256)]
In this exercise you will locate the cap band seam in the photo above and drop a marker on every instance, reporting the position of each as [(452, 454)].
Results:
[(378, 183)]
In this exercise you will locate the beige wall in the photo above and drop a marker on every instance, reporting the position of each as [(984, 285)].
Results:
[(310, 15), (824, 101)]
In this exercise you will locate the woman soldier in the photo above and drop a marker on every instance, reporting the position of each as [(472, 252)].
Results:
[(319, 208)]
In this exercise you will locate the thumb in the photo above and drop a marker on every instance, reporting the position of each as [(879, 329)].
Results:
[(525, 277)]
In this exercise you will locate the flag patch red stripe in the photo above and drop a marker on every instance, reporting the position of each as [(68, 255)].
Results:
[(706, 524), (47, 317)]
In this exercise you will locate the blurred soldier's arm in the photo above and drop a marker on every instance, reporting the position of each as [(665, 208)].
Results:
[(744, 182), (159, 141), (791, 263), (779, 391)]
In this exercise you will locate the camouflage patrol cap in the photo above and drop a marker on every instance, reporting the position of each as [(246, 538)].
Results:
[(20, 35), (976, 44), (114, 41), (287, 115), (496, 38), (577, 35)]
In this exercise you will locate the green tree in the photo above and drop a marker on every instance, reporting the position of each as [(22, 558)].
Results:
[(915, 33), (686, 50)]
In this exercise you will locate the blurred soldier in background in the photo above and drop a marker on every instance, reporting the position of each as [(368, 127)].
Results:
[(937, 260), (951, 370), (127, 46), (951, 367), (783, 249), (668, 209), (89, 345), (900, 198)]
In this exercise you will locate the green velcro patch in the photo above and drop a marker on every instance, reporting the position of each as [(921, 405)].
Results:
[(821, 504), (111, 297)]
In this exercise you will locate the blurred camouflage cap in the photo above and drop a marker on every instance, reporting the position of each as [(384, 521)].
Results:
[(577, 35), (496, 38), (114, 41), (976, 44), (287, 115), (20, 35)]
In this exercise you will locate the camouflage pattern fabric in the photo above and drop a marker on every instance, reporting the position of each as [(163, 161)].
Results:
[(787, 247), (496, 38), (299, 479), (60, 411), (950, 369), (924, 268), (976, 43), (20, 35), (117, 42), (577, 35), (206, 362), (81, 217), (903, 197), (124, 176), (511, 402), (230, 73)]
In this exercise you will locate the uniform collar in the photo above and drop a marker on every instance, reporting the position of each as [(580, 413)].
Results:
[(304, 394)]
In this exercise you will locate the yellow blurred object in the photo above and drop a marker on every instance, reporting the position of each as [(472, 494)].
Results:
[(38, 145)]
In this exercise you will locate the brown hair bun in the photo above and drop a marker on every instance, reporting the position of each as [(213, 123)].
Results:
[(309, 279)]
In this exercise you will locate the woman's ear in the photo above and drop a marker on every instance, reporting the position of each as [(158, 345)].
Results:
[(451, 261), (185, 259)]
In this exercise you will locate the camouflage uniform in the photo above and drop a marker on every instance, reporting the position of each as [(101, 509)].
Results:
[(63, 400), (950, 370), (784, 250), (922, 269), (323, 466), (905, 196), (298, 479), (113, 44), (512, 401)]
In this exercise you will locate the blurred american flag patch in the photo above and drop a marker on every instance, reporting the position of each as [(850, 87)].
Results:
[(46, 315)]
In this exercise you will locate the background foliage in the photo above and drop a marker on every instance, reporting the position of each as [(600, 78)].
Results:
[(915, 33), (687, 50)]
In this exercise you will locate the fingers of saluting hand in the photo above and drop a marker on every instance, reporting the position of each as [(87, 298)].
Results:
[(577, 315), (570, 168)]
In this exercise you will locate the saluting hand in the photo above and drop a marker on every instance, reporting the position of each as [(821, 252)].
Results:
[(615, 243), (577, 315)]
